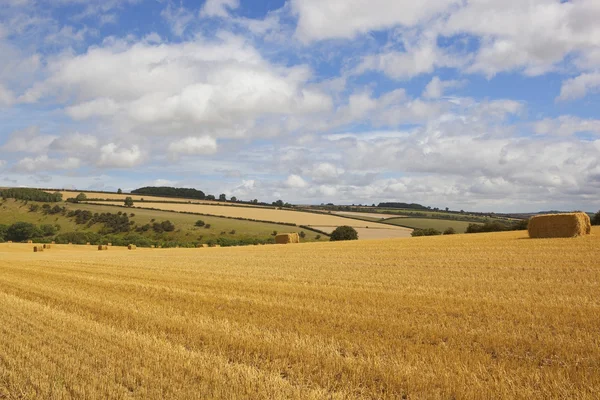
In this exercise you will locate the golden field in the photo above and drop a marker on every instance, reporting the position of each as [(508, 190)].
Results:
[(268, 214), (136, 197), (483, 316)]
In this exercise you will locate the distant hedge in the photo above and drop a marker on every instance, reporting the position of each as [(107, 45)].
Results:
[(166, 191)]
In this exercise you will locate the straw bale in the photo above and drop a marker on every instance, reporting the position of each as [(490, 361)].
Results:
[(37, 249), (47, 246), (30, 241), (132, 247), (559, 225), (285, 238), (102, 247)]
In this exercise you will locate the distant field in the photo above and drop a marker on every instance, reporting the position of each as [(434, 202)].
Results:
[(424, 223), (136, 197), (373, 233), (295, 217), (369, 215), (486, 316)]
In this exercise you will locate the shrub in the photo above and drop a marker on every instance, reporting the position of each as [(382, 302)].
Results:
[(596, 219), (232, 232), (128, 201), (318, 237), (449, 231), (207, 226), (425, 232), (199, 223), (344, 233), (21, 231), (302, 234)]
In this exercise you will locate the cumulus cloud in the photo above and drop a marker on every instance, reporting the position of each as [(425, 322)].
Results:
[(436, 87), (567, 125), (579, 86), (295, 181), (7, 98), (28, 140), (319, 19), (113, 156), (44, 163), (74, 143), (194, 146)]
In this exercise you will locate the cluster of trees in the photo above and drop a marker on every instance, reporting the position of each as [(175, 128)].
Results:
[(112, 223), (30, 195), (22, 231), (413, 206), (158, 227), (496, 226), (343, 233), (166, 191), (432, 232), (596, 219)]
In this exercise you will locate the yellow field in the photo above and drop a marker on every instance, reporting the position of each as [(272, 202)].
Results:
[(269, 214), (114, 196), (484, 316)]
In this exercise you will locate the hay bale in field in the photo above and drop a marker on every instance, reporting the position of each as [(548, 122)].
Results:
[(30, 241), (10, 241), (47, 246), (559, 225), (110, 244), (132, 247), (102, 247), (53, 242), (70, 243), (88, 243), (286, 238), (37, 249)]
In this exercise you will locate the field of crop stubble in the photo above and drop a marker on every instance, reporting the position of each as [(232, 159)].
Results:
[(461, 316)]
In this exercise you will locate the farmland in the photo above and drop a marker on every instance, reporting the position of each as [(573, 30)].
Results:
[(12, 211), (266, 214), (462, 316), (424, 223)]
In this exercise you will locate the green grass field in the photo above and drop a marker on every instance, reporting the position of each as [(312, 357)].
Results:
[(12, 211), (424, 223)]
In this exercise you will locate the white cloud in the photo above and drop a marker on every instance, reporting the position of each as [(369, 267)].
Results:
[(74, 143), (580, 86), (295, 181), (194, 145), (28, 140), (112, 156), (436, 87), (218, 8), (43, 164), (178, 18), (326, 173), (319, 19), (566, 125)]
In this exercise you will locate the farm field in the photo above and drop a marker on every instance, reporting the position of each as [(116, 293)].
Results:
[(463, 316), (373, 233), (285, 216), (374, 215), (424, 223), (136, 197)]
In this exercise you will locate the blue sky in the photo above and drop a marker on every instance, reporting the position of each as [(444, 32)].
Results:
[(468, 104)]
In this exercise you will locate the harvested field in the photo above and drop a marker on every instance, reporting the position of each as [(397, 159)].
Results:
[(463, 316), (368, 215), (136, 197), (373, 233), (285, 216)]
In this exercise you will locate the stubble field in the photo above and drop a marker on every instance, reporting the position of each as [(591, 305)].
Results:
[(461, 316)]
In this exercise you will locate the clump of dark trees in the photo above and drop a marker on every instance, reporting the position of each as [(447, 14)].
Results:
[(343, 233), (30, 195), (165, 191)]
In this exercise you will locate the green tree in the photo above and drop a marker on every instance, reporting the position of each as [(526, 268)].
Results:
[(80, 197), (222, 197), (119, 191), (200, 223), (3, 229), (449, 231), (344, 233), (596, 219), (233, 199), (210, 197), (425, 232), (128, 201), (21, 231)]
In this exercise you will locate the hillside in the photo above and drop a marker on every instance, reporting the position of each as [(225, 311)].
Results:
[(482, 316), (184, 234)]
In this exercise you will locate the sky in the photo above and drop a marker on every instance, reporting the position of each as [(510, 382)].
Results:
[(482, 105)]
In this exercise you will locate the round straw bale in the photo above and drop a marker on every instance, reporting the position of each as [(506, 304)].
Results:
[(132, 247)]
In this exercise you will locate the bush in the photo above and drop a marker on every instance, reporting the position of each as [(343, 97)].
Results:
[(344, 233), (596, 219), (232, 232), (449, 231), (3, 229), (207, 226), (199, 223), (21, 231), (318, 237), (425, 232), (128, 202), (302, 234)]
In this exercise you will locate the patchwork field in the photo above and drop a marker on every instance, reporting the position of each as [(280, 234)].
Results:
[(424, 223), (285, 216), (461, 316)]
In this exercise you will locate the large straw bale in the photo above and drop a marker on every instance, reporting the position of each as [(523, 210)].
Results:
[(30, 241), (285, 238), (132, 247), (37, 249), (102, 247), (47, 246), (559, 225)]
